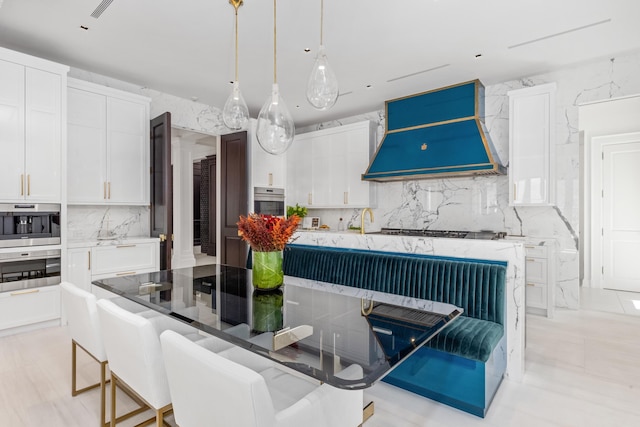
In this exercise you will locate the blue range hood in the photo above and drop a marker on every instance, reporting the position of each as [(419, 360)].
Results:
[(435, 134)]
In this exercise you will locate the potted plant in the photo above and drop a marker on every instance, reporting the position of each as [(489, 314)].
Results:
[(267, 235), (301, 211)]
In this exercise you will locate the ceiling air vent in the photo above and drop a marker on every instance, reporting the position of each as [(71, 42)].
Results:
[(101, 8)]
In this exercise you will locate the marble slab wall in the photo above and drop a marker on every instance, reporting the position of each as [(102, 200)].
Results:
[(88, 222), (482, 202)]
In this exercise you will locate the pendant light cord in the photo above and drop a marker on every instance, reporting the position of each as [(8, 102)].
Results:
[(236, 44), (275, 80), (321, 20)]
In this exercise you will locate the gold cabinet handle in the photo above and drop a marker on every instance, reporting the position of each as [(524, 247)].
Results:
[(22, 184), (109, 190), (163, 237), (270, 179), (127, 273), (28, 185), (89, 259), (531, 260), (310, 198), (28, 291), (346, 197), (125, 246), (530, 284), (104, 190)]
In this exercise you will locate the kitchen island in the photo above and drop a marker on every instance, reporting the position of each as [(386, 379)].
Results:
[(495, 250)]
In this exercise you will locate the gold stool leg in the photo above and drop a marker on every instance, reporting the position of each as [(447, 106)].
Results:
[(113, 400), (74, 392)]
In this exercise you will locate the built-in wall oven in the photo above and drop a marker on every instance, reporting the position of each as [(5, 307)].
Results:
[(29, 224), (268, 201), (29, 269), (26, 232)]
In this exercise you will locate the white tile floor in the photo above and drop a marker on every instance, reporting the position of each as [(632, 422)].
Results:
[(581, 370), (610, 300)]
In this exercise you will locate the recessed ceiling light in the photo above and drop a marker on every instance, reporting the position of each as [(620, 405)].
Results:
[(84, 28)]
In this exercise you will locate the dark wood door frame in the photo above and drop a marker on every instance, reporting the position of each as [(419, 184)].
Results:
[(161, 186), (234, 198)]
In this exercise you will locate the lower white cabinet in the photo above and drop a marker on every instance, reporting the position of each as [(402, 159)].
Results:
[(86, 264), (29, 306), (539, 278)]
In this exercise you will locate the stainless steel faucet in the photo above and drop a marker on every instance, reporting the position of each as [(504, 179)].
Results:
[(362, 218)]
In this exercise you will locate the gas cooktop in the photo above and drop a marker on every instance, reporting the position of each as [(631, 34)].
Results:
[(449, 234)]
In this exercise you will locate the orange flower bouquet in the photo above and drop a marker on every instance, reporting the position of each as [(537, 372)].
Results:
[(267, 235)]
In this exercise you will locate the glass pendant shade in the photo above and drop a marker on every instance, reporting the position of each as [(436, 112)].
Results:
[(235, 113), (275, 129), (322, 87)]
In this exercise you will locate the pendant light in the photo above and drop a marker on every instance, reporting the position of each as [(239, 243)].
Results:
[(235, 113), (322, 87), (275, 129)]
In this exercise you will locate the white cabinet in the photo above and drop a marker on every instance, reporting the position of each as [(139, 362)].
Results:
[(267, 170), (85, 264), (32, 111), (29, 306), (540, 278), (124, 259), (299, 189), (325, 167), (108, 146), (531, 145), (79, 267)]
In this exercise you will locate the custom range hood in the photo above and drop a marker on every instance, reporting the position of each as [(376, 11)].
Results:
[(435, 134)]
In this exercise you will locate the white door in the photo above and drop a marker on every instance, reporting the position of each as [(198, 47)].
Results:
[(11, 131), (86, 147), (43, 136), (127, 152), (79, 267), (620, 216)]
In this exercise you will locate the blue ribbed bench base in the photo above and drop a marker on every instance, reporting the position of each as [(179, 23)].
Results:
[(468, 385)]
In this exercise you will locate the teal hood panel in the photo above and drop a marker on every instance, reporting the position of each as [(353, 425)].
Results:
[(435, 134)]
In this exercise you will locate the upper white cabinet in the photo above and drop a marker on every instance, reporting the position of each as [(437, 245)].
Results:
[(32, 113), (324, 168), (108, 146), (531, 143), (267, 170)]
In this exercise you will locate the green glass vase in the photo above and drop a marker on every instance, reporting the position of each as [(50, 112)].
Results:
[(267, 270), (267, 310)]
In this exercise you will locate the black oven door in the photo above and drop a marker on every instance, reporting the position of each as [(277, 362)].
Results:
[(29, 269)]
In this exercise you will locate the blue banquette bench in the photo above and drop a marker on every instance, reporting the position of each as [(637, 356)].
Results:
[(464, 364)]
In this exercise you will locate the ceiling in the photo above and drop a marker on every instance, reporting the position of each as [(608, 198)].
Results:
[(379, 49)]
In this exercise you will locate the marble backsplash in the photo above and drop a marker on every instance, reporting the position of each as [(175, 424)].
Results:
[(89, 222), (481, 203)]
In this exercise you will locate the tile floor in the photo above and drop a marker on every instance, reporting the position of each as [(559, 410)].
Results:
[(610, 300), (581, 370)]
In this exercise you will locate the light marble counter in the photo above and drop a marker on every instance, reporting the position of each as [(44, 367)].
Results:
[(511, 251), (89, 243)]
